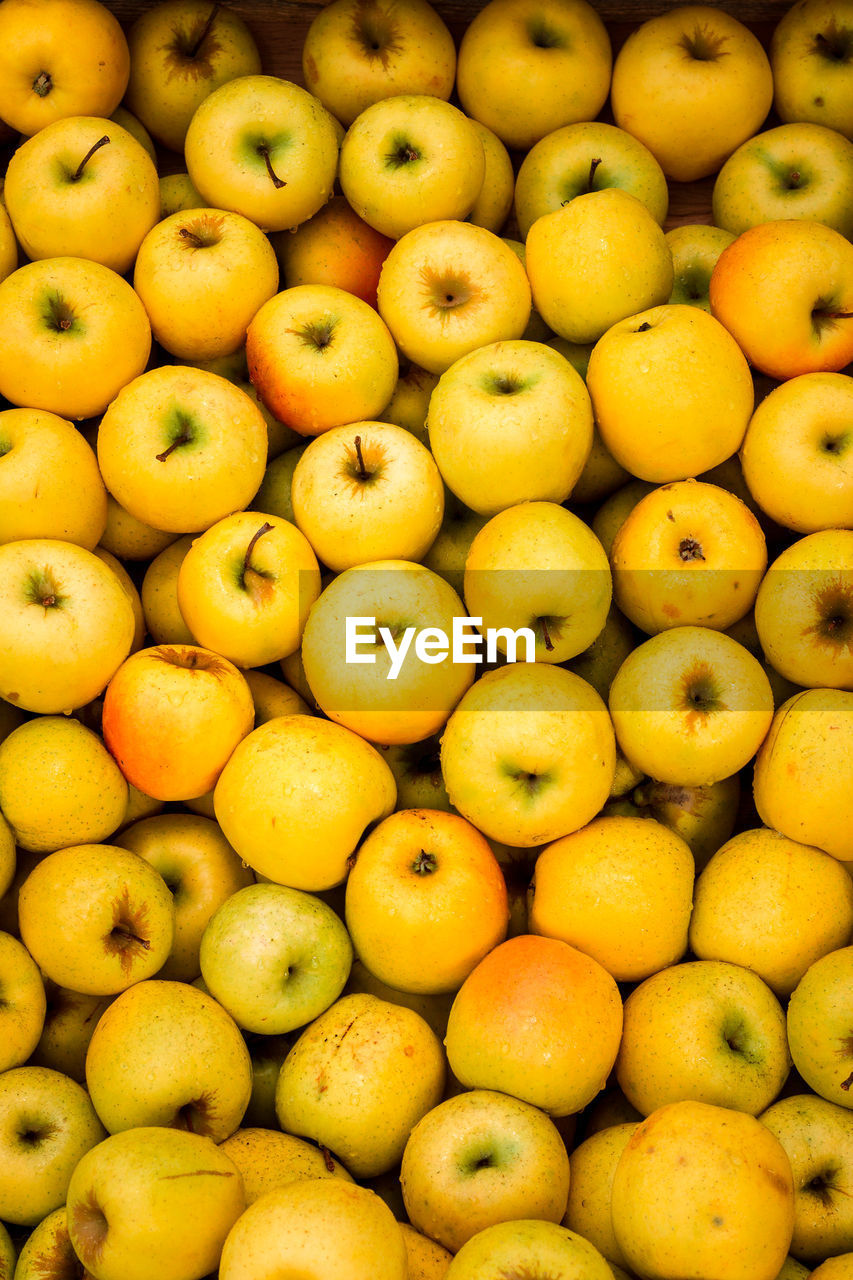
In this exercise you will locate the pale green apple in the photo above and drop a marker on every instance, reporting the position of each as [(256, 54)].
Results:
[(695, 248), (275, 957), (274, 495)]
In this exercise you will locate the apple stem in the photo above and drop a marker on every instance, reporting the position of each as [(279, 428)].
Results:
[(363, 473), (593, 165), (183, 438), (549, 644), (276, 180), (845, 1084), (265, 528), (120, 931), (327, 1159), (205, 32), (42, 84), (102, 142), (195, 240)]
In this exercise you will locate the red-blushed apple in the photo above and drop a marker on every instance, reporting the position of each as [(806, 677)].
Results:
[(357, 52), (166, 1053), (539, 1020), (411, 159), (172, 716), (367, 491), (180, 51), (321, 357), (245, 588), (112, 910), (50, 485), (202, 276), (153, 1201), (72, 334), (263, 147), (560, 46), (83, 187), (201, 871), (334, 247), (510, 422), (479, 1158), (799, 272), (448, 287), (47, 1123), (66, 625), (180, 448), (280, 799), (71, 60), (692, 84)]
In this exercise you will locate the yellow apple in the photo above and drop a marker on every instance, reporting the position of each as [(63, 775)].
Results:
[(163, 618), (23, 1011), (695, 249), (810, 58), (817, 1027), (594, 1162), (494, 202)]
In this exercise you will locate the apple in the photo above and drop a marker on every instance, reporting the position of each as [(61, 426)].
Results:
[(274, 957), (594, 1162), (599, 663), (818, 1138), (201, 871), (321, 357), (804, 771), (62, 656), (112, 911), (50, 484), (690, 706), (177, 194), (510, 1248), (692, 84), (153, 1200), (584, 157), (800, 272), (771, 904), (804, 610), (449, 551), (180, 448), (367, 491), (795, 451), (411, 159), (73, 334), (263, 147), (245, 588), (526, 67), (47, 1124), (48, 1245), (425, 901), (23, 1011), (494, 202), (688, 554), (334, 247), (797, 170), (172, 716), (539, 1020), (180, 51), (296, 796), (671, 392), (8, 244), (202, 276), (381, 1067), (72, 61), (134, 126), (448, 287), (323, 1227), (59, 785), (268, 1159), (810, 53), (695, 249), (699, 1188), (535, 565), (620, 890), (274, 496), (166, 1053), (540, 769), (129, 538), (83, 187), (159, 594), (510, 422), (480, 1158), (399, 624), (818, 1027), (703, 816), (595, 261), (69, 1023), (356, 53)]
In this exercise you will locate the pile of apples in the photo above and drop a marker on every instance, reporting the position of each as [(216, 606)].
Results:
[(426, 646)]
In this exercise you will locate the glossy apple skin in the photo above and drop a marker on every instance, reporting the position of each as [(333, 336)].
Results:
[(811, 81)]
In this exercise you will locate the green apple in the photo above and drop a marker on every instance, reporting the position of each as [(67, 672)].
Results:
[(796, 170), (695, 248), (275, 957), (584, 157), (274, 495)]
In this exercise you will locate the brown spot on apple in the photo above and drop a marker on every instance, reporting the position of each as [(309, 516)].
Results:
[(127, 937)]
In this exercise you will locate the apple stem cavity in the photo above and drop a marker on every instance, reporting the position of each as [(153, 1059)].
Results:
[(690, 549), (78, 173), (277, 182), (425, 863), (192, 52), (834, 44), (42, 84)]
